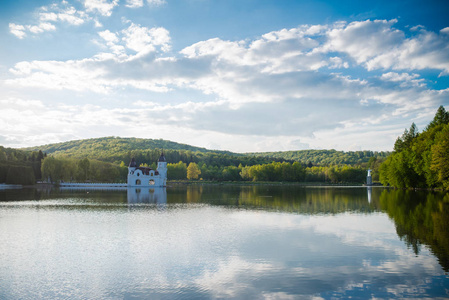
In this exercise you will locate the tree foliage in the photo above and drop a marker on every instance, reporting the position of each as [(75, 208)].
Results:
[(325, 157), (13, 160), (72, 170), (193, 171), (420, 160), (81, 161)]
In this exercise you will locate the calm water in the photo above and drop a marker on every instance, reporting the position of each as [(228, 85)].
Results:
[(246, 242)]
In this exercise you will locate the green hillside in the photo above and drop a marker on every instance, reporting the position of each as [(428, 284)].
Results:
[(326, 157), (113, 148), (105, 160), (116, 150)]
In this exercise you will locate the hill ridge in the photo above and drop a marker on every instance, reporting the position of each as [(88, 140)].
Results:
[(113, 148)]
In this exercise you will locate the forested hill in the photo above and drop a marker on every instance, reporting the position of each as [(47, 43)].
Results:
[(108, 148), (116, 149), (326, 157)]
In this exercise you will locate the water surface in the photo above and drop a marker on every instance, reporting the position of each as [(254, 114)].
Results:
[(202, 242)]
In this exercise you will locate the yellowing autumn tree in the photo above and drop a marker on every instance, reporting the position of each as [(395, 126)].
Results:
[(193, 171)]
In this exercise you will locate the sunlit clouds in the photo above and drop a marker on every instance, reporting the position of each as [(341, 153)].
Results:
[(344, 85)]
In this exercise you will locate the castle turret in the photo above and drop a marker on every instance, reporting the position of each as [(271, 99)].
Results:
[(133, 163), (162, 168), (369, 179)]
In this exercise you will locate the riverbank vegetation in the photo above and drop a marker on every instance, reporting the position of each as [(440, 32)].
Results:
[(420, 160), (85, 170), (106, 160), (20, 167), (190, 166)]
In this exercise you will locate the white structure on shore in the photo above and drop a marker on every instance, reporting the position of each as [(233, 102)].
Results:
[(147, 177), (369, 179)]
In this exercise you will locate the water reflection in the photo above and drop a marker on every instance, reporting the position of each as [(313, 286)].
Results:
[(302, 200), (370, 192), (245, 242), (147, 195), (421, 218)]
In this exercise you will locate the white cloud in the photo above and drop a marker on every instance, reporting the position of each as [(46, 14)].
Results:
[(405, 78), (41, 28), (47, 16), (17, 30), (143, 40), (134, 3), (286, 86), (156, 2), (109, 37), (72, 16), (364, 40), (103, 7), (378, 45), (140, 3)]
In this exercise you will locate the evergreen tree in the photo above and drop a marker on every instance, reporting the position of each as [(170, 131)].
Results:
[(441, 118)]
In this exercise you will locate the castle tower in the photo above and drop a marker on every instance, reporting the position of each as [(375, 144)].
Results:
[(369, 179), (131, 168), (162, 168)]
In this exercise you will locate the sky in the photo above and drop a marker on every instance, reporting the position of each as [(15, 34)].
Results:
[(237, 75)]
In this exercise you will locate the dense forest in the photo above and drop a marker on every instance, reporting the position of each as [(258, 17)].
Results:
[(420, 160), (106, 160), (326, 157), (116, 149), (20, 167)]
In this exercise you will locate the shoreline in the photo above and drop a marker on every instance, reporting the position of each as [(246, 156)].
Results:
[(173, 183)]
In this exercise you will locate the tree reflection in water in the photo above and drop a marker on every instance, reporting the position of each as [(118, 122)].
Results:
[(421, 218)]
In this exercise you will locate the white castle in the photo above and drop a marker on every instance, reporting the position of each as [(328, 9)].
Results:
[(147, 177)]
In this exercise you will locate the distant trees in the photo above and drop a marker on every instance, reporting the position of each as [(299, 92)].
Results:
[(325, 157), (20, 167), (72, 170), (177, 171), (20, 175), (420, 160), (115, 150), (193, 171), (106, 159), (220, 168)]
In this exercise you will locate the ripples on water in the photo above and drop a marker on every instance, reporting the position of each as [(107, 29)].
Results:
[(192, 242)]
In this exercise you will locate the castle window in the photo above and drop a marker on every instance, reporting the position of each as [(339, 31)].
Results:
[(151, 182), (138, 182)]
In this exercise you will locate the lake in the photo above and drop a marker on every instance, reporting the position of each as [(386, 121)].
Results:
[(224, 241)]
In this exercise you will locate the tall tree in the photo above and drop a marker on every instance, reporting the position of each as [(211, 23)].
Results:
[(193, 171), (441, 118)]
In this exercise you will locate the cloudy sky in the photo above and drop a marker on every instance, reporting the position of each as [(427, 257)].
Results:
[(251, 75)]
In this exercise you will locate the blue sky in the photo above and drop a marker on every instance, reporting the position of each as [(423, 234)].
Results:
[(232, 75)]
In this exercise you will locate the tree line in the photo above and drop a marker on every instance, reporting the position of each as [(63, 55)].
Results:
[(420, 160), (326, 157), (86, 170), (20, 167), (116, 149), (27, 167), (274, 171)]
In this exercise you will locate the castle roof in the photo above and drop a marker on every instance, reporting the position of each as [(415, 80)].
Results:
[(133, 163), (162, 158), (146, 170)]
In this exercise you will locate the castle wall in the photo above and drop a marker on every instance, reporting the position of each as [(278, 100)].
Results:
[(154, 178)]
